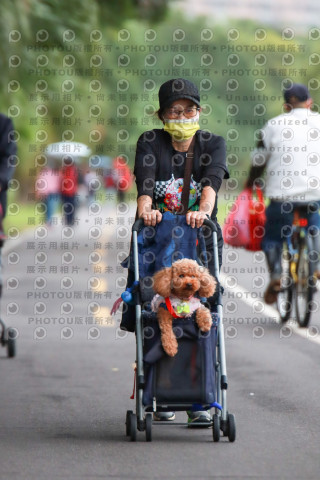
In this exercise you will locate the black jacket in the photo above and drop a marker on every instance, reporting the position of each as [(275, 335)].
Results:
[(155, 160), (8, 147)]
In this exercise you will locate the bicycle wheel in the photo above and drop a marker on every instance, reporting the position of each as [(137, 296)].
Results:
[(284, 299), (305, 284)]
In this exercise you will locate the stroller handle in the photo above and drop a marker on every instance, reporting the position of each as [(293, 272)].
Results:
[(139, 223), (209, 223)]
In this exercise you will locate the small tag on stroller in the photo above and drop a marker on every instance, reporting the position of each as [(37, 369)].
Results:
[(154, 404), (134, 382), (116, 306)]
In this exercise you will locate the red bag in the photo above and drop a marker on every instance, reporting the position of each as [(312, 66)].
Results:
[(244, 225)]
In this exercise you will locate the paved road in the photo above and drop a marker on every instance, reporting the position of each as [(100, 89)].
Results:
[(64, 396)]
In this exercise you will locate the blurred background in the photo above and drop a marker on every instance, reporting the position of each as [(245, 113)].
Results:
[(89, 72)]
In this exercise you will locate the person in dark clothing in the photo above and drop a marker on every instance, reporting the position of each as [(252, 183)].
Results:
[(8, 150), (69, 189), (161, 155), (159, 171)]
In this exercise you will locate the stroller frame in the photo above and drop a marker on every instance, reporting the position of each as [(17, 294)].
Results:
[(222, 420), (7, 335)]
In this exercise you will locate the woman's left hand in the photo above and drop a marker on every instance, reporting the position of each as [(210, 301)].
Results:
[(195, 219)]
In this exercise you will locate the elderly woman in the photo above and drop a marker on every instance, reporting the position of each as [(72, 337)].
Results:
[(161, 156), (160, 169)]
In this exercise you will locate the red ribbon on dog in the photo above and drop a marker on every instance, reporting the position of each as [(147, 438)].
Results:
[(170, 308)]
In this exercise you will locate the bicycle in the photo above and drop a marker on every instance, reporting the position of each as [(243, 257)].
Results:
[(298, 282)]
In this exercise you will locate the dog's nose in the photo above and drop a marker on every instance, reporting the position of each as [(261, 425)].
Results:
[(188, 285)]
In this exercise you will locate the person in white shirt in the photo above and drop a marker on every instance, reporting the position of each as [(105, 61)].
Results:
[(288, 154)]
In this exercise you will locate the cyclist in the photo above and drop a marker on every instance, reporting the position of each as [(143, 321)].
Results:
[(288, 154)]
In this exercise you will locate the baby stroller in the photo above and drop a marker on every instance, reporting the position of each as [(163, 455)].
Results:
[(196, 378), (7, 335)]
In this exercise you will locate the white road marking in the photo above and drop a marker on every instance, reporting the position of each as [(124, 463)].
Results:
[(311, 333)]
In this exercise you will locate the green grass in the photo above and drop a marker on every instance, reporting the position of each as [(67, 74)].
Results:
[(223, 209), (26, 217), (20, 214)]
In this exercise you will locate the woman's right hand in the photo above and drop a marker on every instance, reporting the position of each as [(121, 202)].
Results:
[(151, 218)]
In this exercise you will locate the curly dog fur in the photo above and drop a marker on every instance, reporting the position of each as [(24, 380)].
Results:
[(182, 280)]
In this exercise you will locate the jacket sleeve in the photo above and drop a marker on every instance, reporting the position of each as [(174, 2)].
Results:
[(145, 164), (8, 147)]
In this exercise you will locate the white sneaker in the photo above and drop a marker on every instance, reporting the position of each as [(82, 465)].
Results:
[(164, 416), (199, 419)]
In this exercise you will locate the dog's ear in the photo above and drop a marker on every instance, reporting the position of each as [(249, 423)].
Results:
[(207, 283), (162, 282)]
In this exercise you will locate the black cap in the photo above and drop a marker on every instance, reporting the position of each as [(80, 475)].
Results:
[(297, 90), (176, 89)]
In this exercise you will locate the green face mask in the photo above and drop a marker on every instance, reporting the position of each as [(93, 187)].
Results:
[(182, 129)]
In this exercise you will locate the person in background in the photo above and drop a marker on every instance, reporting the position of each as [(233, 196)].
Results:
[(69, 189), (118, 176), (88, 179), (122, 177), (289, 155), (47, 189), (8, 149)]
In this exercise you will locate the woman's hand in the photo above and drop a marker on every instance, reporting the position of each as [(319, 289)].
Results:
[(145, 211), (195, 219), (151, 218)]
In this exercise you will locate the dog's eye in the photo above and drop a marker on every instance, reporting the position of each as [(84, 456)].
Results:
[(181, 276), (193, 276)]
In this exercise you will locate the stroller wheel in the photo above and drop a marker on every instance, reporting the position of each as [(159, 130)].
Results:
[(231, 427), (148, 424), (133, 427), (129, 413), (216, 427), (11, 343)]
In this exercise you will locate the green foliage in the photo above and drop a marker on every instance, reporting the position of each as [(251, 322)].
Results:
[(59, 16), (115, 12)]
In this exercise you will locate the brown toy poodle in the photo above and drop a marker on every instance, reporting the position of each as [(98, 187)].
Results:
[(175, 288)]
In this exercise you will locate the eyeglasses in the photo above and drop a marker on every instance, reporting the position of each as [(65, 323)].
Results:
[(188, 112)]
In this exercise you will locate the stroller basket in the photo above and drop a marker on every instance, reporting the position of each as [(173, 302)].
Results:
[(188, 377)]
